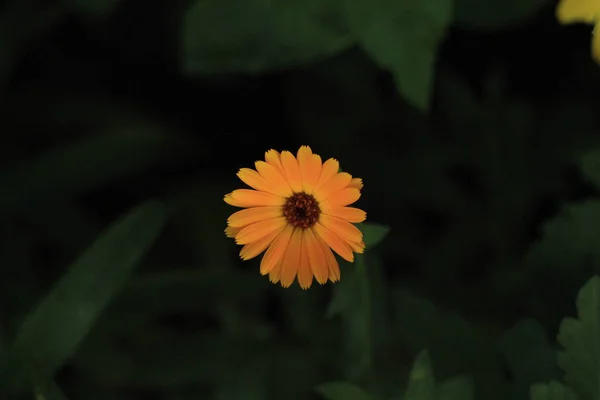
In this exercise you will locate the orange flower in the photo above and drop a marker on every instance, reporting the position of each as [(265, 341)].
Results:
[(297, 212), (582, 11)]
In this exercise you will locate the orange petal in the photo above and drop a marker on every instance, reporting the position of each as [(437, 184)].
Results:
[(231, 231), (272, 157), (356, 183), (277, 182), (572, 11), (344, 229), (275, 273), (252, 198), (336, 184), (350, 214), (310, 168), (596, 44), (303, 151), (249, 216), (276, 250), (291, 259), (330, 168), (342, 198), (332, 265), (254, 232), (292, 171), (305, 275), (253, 179), (357, 247), (316, 258), (335, 242), (253, 249)]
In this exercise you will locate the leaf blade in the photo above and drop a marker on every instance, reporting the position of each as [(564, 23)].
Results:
[(403, 37), (459, 388), (373, 233), (253, 36), (579, 337), (52, 332), (342, 391), (551, 391), (421, 382)]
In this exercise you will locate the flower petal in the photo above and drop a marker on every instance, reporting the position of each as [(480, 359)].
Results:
[(316, 257), (310, 168), (253, 249), (292, 172), (336, 184), (252, 198), (356, 183), (276, 250), (275, 273), (249, 216), (330, 168), (335, 242), (342, 228), (272, 157), (230, 231), (342, 198), (253, 232), (572, 11), (305, 274), (277, 182), (253, 179), (357, 247), (596, 43), (332, 265), (350, 214), (291, 259)]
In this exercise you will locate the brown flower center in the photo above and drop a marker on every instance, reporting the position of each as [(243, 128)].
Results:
[(301, 210)]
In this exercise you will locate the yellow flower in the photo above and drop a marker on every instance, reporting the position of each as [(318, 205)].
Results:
[(297, 212), (585, 11)]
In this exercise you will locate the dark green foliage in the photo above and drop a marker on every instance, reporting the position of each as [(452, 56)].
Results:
[(552, 391), (342, 391), (529, 357), (580, 359), (258, 35), (52, 332), (473, 124), (265, 35)]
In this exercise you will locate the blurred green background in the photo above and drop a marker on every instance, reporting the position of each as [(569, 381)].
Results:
[(473, 123)]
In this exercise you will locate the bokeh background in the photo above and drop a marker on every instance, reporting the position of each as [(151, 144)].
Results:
[(474, 125)]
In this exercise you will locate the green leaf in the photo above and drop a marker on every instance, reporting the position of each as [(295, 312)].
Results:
[(342, 391), (590, 166), (529, 355), (422, 325), (459, 388), (373, 233), (47, 389), (87, 164), (247, 381), (352, 301), (403, 37), (252, 36), (551, 391), (494, 14), (455, 343), (421, 383), (54, 330), (580, 338), (570, 240), (361, 300)]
